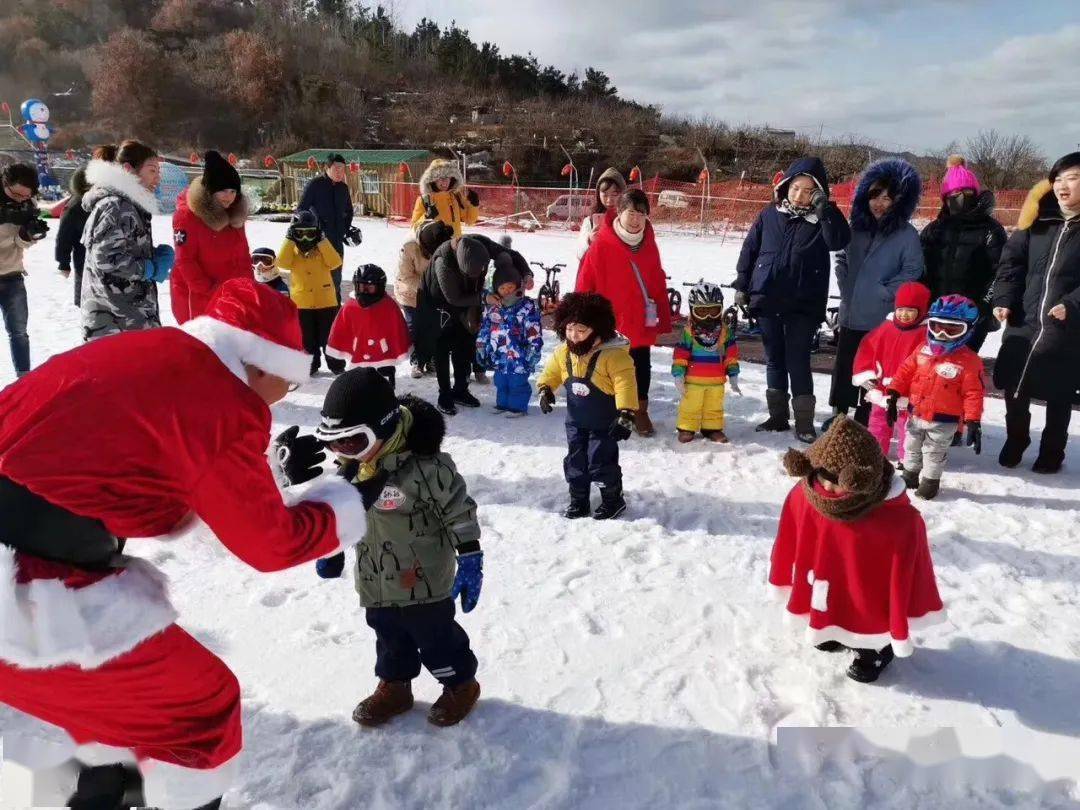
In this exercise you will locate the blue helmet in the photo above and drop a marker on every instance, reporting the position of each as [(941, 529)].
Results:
[(950, 324)]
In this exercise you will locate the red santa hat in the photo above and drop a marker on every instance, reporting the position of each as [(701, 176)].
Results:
[(251, 324)]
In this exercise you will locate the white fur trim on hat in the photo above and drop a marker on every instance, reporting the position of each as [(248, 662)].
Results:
[(236, 348), (343, 498), (45, 624), (104, 174)]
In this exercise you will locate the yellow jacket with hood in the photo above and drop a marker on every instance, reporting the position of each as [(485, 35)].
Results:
[(452, 205), (614, 372)]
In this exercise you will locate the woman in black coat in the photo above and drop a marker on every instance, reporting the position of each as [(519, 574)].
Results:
[(70, 252), (1037, 294)]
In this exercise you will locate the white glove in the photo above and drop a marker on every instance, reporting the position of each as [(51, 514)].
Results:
[(734, 383)]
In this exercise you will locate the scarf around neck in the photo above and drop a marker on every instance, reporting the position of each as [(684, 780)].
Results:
[(392, 445), (634, 240), (853, 506), (806, 212)]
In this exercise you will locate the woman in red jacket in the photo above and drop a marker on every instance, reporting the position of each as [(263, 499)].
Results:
[(623, 265), (208, 231)]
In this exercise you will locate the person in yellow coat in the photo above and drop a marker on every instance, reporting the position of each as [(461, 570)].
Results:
[(444, 197), (308, 255), (595, 366)]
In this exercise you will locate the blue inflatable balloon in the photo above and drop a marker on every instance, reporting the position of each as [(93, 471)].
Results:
[(173, 181)]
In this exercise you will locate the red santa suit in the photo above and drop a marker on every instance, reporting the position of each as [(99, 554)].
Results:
[(375, 335), (865, 583), (139, 431)]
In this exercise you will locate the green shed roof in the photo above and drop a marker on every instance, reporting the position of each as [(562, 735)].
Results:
[(365, 157)]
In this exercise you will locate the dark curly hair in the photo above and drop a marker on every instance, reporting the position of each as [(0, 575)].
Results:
[(589, 309)]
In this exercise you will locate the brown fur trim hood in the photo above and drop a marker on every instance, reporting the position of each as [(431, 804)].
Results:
[(441, 169), (202, 204)]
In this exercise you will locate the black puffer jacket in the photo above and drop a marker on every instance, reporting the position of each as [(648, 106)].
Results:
[(962, 252), (1040, 268)]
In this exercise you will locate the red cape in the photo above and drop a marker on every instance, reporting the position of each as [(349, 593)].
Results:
[(880, 354), (370, 336), (864, 583)]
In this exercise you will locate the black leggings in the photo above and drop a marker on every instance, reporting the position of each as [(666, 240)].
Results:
[(315, 327), (456, 345), (843, 394), (642, 357)]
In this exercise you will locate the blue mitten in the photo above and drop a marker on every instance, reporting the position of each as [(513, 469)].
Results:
[(330, 567), (469, 579), (161, 264)]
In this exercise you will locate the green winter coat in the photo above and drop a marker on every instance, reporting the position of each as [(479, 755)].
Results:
[(420, 521)]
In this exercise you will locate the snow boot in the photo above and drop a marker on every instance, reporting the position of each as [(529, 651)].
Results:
[(610, 508), (643, 425), (389, 699), (1017, 439), (830, 646), (928, 488), (480, 376), (578, 508), (446, 404), (911, 478), (107, 786), (515, 414), (463, 397), (869, 664), (717, 436), (1047, 463), (779, 413), (803, 406), (454, 704), (685, 436)]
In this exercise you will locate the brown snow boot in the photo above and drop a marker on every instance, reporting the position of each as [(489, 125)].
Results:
[(389, 699), (643, 425), (685, 436), (454, 704), (717, 436)]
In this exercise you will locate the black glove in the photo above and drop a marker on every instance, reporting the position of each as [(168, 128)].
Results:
[(819, 200), (371, 489), (472, 197), (973, 436), (547, 400), (891, 414), (623, 426), (742, 298), (298, 458), (353, 236), (431, 210), (34, 230)]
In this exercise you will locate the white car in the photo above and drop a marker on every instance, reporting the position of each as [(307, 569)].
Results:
[(673, 199), (569, 210)]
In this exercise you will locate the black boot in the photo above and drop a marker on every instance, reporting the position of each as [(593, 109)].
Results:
[(578, 508), (869, 664), (830, 646), (1017, 434), (463, 397), (779, 413), (803, 406), (446, 403), (105, 787), (1048, 463), (928, 488), (610, 507), (911, 478)]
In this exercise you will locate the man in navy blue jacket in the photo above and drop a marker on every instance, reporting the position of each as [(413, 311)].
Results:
[(328, 196), (783, 275)]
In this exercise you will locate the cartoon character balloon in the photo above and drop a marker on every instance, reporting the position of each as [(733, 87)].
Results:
[(37, 131)]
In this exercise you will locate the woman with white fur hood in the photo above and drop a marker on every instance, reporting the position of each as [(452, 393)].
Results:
[(123, 267), (444, 196)]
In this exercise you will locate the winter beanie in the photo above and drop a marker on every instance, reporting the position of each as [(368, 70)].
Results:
[(915, 295), (433, 234), (472, 257), (505, 272), (219, 174), (360, 398), (849, 454), (958, 177)]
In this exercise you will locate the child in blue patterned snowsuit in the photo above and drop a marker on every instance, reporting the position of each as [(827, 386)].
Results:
[(510, 342)]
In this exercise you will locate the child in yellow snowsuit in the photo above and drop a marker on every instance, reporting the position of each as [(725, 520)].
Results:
[(705, 358)]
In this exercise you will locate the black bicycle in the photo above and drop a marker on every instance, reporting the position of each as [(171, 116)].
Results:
[(739, 318), (548, 296), (674, 300)]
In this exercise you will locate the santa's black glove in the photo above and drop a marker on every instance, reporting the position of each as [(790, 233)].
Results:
[(547, 400), (742, 299), (623, 425), (819, 200), (297, 458), (472, 197), (371, 489), (353, 236), (34, 230), (973, 436), (891, 414)]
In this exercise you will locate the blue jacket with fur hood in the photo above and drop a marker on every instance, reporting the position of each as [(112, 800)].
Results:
[(884, 254)]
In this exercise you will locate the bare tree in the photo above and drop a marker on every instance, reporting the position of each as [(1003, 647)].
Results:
[(1005, 161)]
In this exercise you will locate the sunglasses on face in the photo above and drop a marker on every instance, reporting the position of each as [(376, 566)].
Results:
[(946, 330), (707, 311)]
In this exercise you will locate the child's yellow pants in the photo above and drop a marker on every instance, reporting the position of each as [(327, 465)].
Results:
[(702, 408)]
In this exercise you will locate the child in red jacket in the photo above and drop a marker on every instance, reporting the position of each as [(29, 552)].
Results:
[(370, 329), (880, 354), (851, 556), (943, 382)]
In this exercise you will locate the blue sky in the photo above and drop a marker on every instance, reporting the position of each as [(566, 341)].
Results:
[(904, 73)]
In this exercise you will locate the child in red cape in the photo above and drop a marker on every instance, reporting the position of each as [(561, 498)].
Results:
[(851, 554), (370, 329)]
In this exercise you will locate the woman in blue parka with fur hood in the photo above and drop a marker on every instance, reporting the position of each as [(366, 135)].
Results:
[(885, 252), (783, 275)]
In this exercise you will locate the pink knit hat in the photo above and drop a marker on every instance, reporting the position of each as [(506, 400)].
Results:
[(958, 177)]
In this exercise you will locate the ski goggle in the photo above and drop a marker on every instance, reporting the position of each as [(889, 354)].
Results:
[(262, 262), (706, 311), (941, 329), (354, 445), (305, 232), (369, 288)]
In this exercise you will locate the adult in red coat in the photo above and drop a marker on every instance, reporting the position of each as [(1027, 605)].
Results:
[(208, 232), (851, 556), (623, 265), (115, 439)]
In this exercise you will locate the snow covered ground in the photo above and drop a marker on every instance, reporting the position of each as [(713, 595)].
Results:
[(640, 663)]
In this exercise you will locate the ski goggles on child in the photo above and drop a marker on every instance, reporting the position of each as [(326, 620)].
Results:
[(304, 233), (946, 330), (707, 311), (354, 445)]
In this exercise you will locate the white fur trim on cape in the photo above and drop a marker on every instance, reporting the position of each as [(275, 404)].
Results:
[(169, 785), (347, 357), (235, 347), (342, 497), (896, 488), (106, 175), (45, 624), (863, 377)]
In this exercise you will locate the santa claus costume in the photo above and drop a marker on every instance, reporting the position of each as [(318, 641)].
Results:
[(370, 329), (851, 557), (116, 439)]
